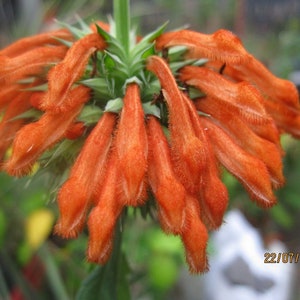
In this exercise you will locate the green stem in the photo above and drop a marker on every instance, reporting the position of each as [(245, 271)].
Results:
[(121, 11), (53, 275)]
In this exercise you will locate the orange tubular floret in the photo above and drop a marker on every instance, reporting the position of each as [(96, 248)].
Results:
[(169, 192), (30, 63), (195, 238), (103, 217), (8, 126), (246, 99), (250, 171), (263, 149), (63, 75), (286, 117), (213, 193), (131, 147), (187, 150), (266, 130), (8, 93), (75, 196), (33, 139), (28, 43), (222, 45), (271, 86), (75, 131)]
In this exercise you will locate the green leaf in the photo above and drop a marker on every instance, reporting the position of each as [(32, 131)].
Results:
[(31, 113), (64, 42), (154, 34), (38, 88), (78, 33), (90, 114), (114, 105), (84, 26), (97, 84), (151, 109)]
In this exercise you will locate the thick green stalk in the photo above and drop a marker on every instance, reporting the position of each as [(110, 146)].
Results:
[(121, 11)]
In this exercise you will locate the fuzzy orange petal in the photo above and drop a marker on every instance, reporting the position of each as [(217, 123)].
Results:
[(222, 45), (29, 43), (270, 85), (286, 117), (249, 170), (75, 131), (33, 139), (8, 93), (213, 193), (75, 196), (9, 126), (243, 95), (63, 75), (30, 63), (195, 238), (169, 192), (102, 219), (187, 149), (261, 148), (131, 146)]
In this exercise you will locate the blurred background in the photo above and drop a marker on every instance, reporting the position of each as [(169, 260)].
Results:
[(35, 264)]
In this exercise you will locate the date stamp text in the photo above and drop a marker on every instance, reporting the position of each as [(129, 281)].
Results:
[(281, 257)]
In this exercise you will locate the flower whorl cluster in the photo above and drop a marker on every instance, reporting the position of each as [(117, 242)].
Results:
[(158, 121)]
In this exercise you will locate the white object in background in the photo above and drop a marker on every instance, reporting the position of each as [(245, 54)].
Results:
[(237, 268)]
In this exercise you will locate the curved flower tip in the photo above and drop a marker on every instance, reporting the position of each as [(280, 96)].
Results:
[(169, 192), (131, 146), (73, 205), (63, 75), (270, 85), (222, 45), (28, 43), (251, 171), (188, 153), (242, 96), (212, 193), (75, 131), (268, 152), (29, 63), (194, 238), (101, 233), (33, 139), (77, 193), (103, 218), (10, 126)]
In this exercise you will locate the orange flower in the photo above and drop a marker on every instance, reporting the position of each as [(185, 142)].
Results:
[(270, 86), (29, 63), (251, 171), (187, 149), (144, 121), (9, 126), (213, 194), (238, 129), (87, 173), (168, 191), (63, 75), (195, 238), (29, 43), (103, 218), (222, 45), (33, 139), (242, 98), (131, 147)]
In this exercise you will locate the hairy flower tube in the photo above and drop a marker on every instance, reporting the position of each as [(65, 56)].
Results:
[(159, 120)]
